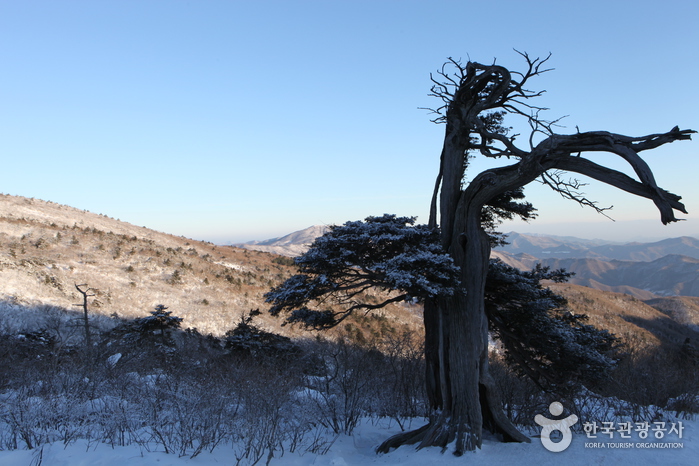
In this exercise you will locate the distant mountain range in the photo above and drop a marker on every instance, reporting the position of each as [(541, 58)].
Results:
[(568, 247), (47, 248), (671, 275), (644, 270)]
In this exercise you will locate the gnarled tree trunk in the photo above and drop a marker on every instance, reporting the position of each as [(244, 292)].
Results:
[(462, 395)]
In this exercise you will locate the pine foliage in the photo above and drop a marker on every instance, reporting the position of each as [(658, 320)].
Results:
[(387, 253), (249, 339), (160, 321), (156, 328), (506, 206), (541, 338)]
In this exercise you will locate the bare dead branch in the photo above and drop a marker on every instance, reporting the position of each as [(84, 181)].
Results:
[(570, 189), (86, 294), (565, 152), (665, 201)]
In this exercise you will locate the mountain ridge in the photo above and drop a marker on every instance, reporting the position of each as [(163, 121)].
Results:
[(293, 244), (671, 275), (571, 247), (642, 270), (47, 248)]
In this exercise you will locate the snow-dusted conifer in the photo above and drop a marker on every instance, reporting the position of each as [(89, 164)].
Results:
[(387, 253), (541, 339), (161, 322), (247, 338)]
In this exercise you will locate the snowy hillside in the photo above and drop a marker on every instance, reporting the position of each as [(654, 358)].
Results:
[(47, 248)]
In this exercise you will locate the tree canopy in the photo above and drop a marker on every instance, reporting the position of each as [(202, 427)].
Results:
[(387, 253), (541, 339)]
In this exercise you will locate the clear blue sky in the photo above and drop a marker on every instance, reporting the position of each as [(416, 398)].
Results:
[(240, 120)]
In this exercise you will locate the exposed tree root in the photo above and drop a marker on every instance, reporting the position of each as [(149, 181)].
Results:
[(443, 429)]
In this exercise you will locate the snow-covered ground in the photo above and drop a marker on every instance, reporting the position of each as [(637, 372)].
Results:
[(358, 449)]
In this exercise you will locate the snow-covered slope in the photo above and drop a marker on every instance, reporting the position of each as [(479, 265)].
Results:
[(47, 248), (358, 450), (293, 244)]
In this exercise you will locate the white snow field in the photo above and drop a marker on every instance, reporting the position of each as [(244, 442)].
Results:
[(358, 449)]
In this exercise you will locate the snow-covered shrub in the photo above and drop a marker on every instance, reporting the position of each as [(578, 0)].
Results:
[(186, 416), (685, 406), (653, 375), (246, 338)]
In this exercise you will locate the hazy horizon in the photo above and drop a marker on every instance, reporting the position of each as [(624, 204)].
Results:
[(642, 231), (620, 231)]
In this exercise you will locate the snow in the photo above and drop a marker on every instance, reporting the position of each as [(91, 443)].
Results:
[(113, 359), (229, 265), (358, 449)]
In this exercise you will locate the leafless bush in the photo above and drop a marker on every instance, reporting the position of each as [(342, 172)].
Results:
[(400, 379), (200, 395), (29, 419), (647, 385), (522, 400), (187, 417), (655, 375), (340, 394)]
